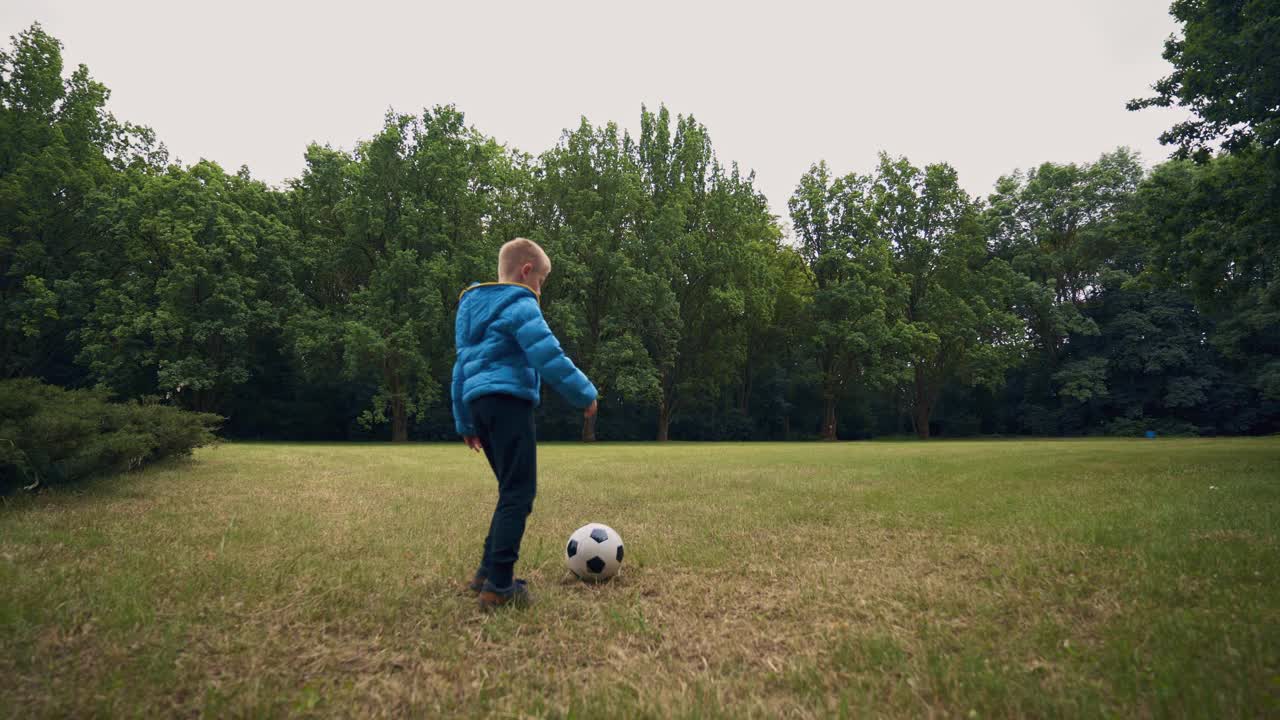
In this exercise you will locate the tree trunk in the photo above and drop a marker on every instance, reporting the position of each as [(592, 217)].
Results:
[(399, 420), (829, 417), (664, 421), (921, 419), (922, 408), (589, 429)]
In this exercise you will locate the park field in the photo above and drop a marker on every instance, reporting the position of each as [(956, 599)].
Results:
[(1073, 578)]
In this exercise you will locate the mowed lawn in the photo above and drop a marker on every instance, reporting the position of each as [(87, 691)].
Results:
[(949, 579)]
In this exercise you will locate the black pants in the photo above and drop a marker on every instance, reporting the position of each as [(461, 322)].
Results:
[(505, 426)]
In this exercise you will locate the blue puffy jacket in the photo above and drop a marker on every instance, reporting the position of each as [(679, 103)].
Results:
[(504, 346)]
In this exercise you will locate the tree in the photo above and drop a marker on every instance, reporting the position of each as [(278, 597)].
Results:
[(779, 368), (696, 228), (389, 238), (589, 201), (1056, 225), (393, 324), (747, 242), (775, 332), (1214, 229), (1225, 70), (1215, 225), (958, 297), (1096, 299), (857, 298), (1149, 367), (58, 147), (191, 276)]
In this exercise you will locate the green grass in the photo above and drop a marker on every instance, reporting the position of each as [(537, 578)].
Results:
[(961, 579)]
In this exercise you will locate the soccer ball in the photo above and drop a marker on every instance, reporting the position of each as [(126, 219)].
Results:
[(594, 552)]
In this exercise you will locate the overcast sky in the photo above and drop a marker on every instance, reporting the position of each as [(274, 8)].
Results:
[(986, 85)]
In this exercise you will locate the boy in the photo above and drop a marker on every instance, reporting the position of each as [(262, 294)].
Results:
[(505, 350)]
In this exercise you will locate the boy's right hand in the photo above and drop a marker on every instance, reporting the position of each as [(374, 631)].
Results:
[(591, 409), (473, 442)]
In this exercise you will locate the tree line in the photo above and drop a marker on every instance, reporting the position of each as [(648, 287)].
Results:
[(1072, 299)]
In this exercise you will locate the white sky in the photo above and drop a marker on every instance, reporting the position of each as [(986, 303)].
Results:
[(987, 85)]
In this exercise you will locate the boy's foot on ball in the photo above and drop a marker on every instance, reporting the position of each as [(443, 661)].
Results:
[(517, 595)]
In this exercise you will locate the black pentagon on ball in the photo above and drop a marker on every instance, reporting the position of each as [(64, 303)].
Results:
[(573, 548), (599, 535), (595, 565), (619, 553)]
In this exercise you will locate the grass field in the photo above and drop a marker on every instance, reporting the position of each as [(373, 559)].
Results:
[(957, 579)]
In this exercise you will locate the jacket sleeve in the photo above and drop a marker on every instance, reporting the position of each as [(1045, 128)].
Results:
[(546, 356), (461, 413)]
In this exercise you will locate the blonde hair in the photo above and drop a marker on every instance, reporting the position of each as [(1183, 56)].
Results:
[(516, 253)]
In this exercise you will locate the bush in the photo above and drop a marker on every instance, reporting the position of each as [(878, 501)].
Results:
[(1137, 426), (51, 436)]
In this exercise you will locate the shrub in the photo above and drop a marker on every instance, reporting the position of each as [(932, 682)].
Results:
[(1137, 426), (50, 436)]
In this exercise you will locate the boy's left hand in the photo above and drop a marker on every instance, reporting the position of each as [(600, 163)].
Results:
[(473, 442)]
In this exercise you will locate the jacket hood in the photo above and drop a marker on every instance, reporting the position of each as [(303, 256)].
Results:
[(481, 303)]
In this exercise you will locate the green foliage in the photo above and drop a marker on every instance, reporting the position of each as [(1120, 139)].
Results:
[(388, 237), (1055, 225), (958, 297), (1215, 224), (1082, 380), (51, 436), (395, 320), (1082, 298), (193, 275), (58, 146), (1160, 368), (1215, 228), (702, 233), (857, 315), (588, 202), (1225, 66)]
